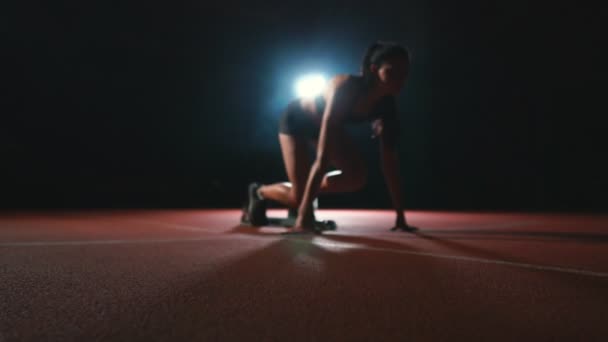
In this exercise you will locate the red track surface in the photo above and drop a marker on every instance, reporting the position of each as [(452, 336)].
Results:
[(196, 275)]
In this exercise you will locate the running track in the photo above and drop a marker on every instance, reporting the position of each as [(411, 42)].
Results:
[(196, 275)]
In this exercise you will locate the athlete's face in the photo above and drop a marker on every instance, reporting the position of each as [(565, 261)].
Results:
[(392, 74)]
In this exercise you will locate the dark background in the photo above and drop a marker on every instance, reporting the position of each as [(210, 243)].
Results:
[(176, 104)]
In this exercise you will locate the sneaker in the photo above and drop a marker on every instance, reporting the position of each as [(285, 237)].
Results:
[(256, 208)]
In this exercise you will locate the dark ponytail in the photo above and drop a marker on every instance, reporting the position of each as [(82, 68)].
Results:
[(377, 52), (367, 58)]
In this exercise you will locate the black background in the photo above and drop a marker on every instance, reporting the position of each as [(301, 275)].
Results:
[(176, 104)]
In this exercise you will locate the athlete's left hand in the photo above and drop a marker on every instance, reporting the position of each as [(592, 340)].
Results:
[(401, 225)]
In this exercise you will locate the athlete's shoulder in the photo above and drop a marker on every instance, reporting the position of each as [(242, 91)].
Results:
[(343, 83), (340, 79)]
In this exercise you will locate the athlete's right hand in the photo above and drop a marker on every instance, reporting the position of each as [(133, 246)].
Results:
[(304, 223)]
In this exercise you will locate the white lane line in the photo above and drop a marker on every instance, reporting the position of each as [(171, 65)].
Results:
[(315, 241), (470, 259), (189, 228), (488, 225), (98, 242), (440, 230)]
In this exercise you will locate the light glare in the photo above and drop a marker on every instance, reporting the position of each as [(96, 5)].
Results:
[(310, 86)]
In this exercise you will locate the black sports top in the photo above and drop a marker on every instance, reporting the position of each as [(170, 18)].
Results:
[(383, 108), (295, 121), (384, 112)]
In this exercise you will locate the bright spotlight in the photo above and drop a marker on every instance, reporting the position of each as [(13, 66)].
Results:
[(310, 85)]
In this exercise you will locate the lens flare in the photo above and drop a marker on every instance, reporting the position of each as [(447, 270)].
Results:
[(310, 85)]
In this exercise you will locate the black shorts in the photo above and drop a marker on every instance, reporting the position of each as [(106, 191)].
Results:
[(294, 121)]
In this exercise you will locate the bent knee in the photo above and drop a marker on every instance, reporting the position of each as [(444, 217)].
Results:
[(293, 199)]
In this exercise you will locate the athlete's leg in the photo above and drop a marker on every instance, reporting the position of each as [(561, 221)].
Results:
[(351, 173), (296, 157)]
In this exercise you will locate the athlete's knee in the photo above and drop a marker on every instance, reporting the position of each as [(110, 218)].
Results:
[(293, 199)]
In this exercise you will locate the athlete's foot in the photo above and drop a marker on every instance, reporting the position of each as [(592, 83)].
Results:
[(256, 208)]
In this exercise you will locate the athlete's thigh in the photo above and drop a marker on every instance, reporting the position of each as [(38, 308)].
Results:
[(296, 157), (343, 153)]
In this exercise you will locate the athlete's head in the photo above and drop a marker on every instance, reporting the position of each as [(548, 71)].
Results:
[(386, 65)]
